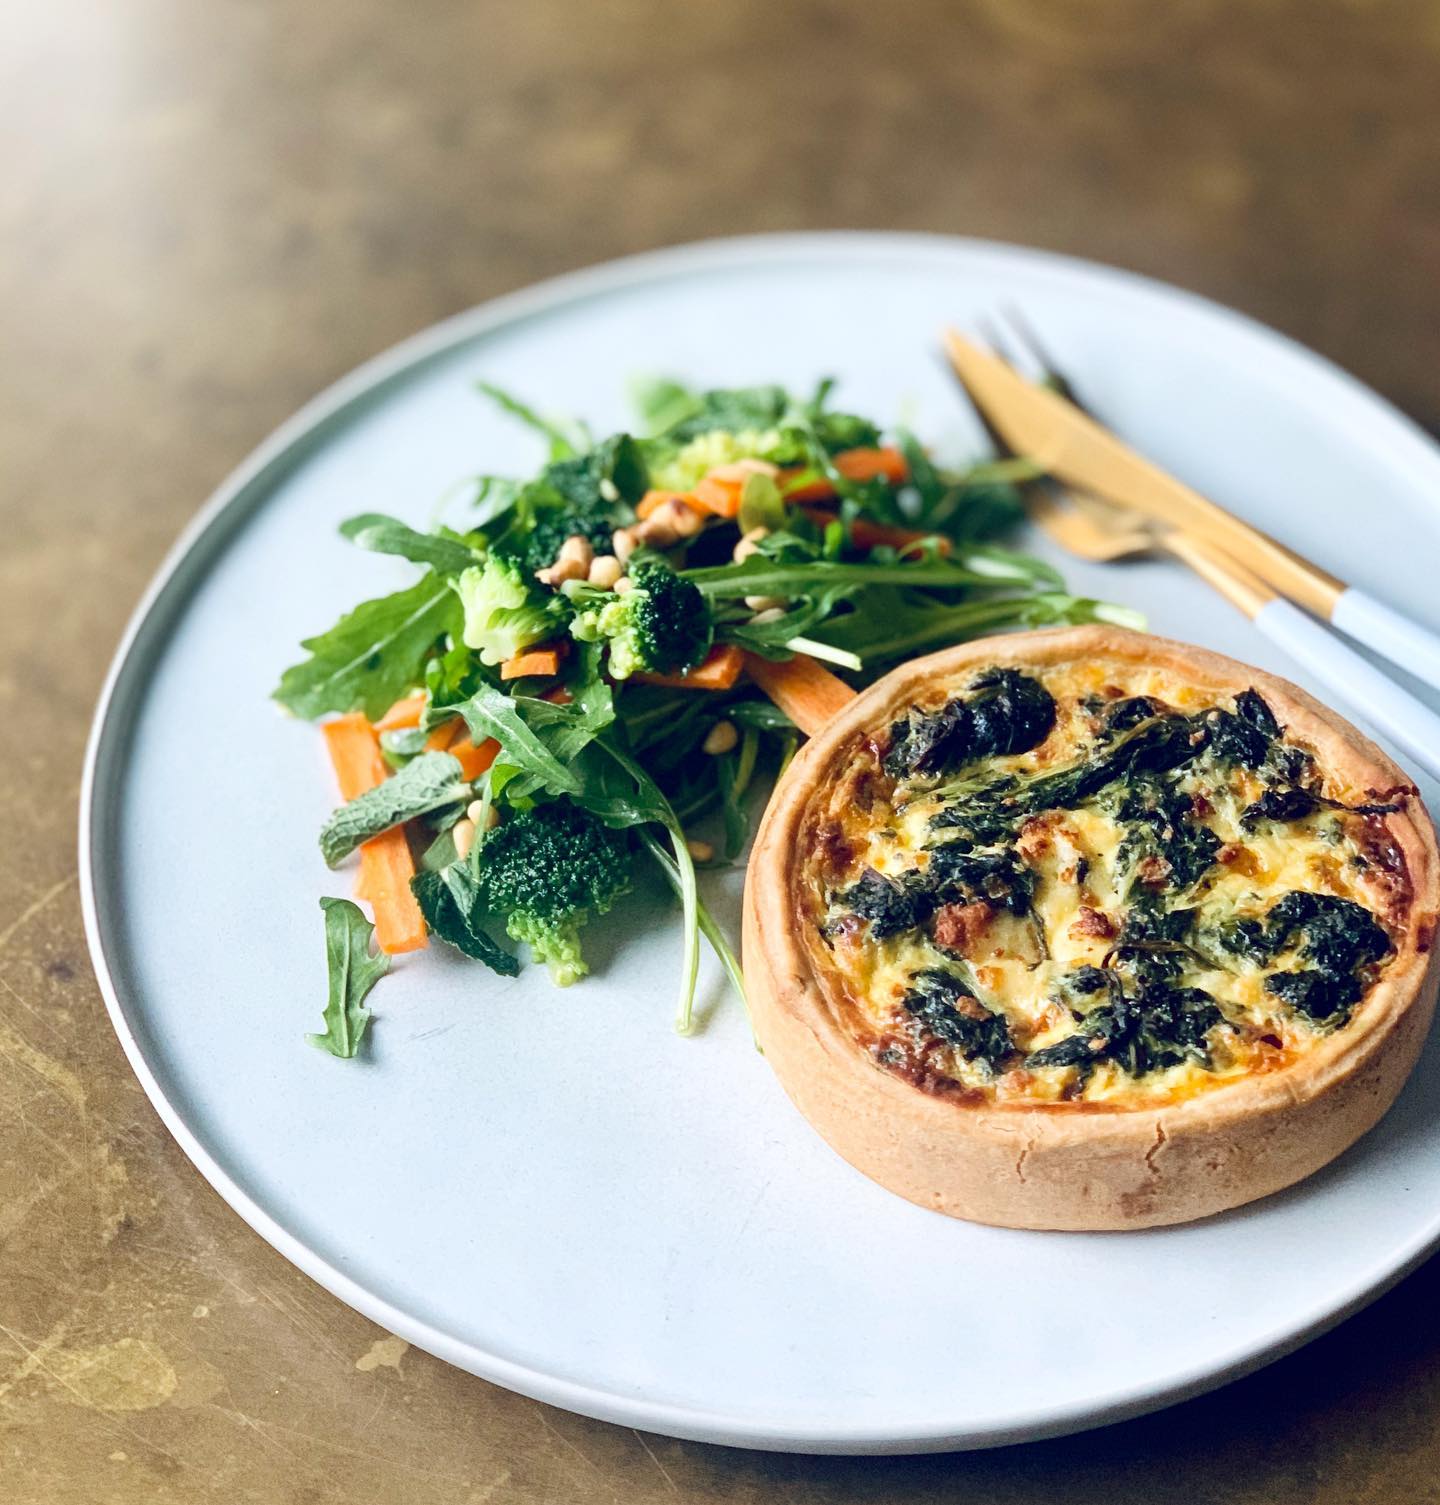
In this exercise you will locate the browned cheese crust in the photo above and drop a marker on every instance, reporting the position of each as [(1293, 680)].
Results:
[(1132, 1159)]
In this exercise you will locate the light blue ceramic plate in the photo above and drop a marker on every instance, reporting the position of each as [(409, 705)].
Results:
[(552, 1189)]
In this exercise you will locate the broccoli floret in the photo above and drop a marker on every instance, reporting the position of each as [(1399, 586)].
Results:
[(662, 625), (503, 614), (548, 870), (588, 495)]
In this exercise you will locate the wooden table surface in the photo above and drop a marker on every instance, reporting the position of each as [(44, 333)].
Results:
[(208, 212)]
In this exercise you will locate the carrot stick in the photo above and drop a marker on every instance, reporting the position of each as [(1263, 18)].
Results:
[(720, 497), (534, 661), (405, 712), (444, 735), (855, 465), (809, 694), (386, 866), (719, 670), (473, 760)]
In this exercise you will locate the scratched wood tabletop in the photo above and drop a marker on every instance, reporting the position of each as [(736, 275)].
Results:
[(209, 211)]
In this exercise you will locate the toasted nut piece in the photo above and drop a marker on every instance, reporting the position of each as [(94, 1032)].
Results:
[(605, 570), (771, 614), (576, 547), (492, 818), (622, 541), (562, 570), (624, 585), (475, 809), (608, 489), (463, 832), (749, 544), (657, 531), (764, 603), (686, 521), (701, 851), (720, 738), (739, 469)]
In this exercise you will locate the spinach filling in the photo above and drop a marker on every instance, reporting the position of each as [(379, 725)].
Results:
[(1133, 1010), (946, 1009)]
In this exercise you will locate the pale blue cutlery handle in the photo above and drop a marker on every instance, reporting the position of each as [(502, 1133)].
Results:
[(1372, 694), (1401, 640)]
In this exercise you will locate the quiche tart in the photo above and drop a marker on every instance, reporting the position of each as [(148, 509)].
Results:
[(1086, 929)]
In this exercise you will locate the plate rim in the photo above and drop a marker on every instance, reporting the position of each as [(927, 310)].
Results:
[(245, 489)]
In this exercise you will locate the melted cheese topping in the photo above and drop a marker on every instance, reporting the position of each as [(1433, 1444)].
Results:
[(1084, 886)]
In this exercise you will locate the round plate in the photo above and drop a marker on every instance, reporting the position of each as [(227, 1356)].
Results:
[(551, 1188)]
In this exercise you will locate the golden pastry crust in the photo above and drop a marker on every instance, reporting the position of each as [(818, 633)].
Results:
[(1032, 1164)]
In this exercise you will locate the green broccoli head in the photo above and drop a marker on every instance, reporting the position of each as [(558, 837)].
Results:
[(548, 870), (503, 613), (661, 626)]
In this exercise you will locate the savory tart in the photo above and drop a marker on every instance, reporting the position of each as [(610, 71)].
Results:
[(1086, 929)]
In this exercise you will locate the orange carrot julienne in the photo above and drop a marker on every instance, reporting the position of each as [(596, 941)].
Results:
[(405, 712), (386, 864), (720, 497), (718, 671), (864, 464), (473, 760), (809, 694), (444, 734), (534, 661)]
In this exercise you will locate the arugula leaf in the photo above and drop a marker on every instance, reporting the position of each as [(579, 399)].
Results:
[(490, 712), (450, 900), (373, 655), (424, 784), (760, 575), (562, 444), (388, 535), (352, 972)]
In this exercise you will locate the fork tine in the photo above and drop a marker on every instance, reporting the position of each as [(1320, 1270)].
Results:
[(1053, 377)]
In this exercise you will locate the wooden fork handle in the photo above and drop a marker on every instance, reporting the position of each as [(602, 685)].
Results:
[(809, 694)]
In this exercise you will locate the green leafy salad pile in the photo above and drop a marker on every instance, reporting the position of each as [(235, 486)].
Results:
[(560, 697)]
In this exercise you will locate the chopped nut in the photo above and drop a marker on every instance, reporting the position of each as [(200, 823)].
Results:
[(622, 541), (686, 521), (749, 544), (463, 832), (701, 851), (764, 603), (720, 738), (605, 570), (772, 614), (624, 585)]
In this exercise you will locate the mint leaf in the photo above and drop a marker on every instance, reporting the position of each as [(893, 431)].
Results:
[(352, 971), (449, 901), (372, 656), (388, 535), (426, 783)]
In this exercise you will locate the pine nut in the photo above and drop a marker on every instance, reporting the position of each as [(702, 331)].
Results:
[(475, 810), (605, 570), (656, 531), (576, 547), (739, 469), (622, 541), (720, 738), (463, 832), (564, 569), (492, 818), (624, 585), (686, 521), (749, 545), (608, 489), (764, 603), (771, 614), (701, 851)]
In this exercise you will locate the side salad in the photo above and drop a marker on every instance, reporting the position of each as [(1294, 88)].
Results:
[(562, 695)]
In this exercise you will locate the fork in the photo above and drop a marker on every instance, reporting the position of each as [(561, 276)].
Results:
[(1077, 450), (1096, 530)]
